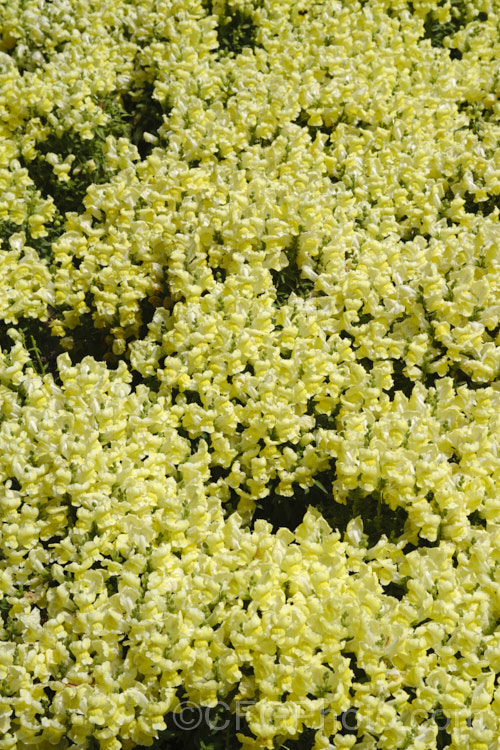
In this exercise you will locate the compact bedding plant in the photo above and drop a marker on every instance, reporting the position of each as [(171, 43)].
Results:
[(249, 374)]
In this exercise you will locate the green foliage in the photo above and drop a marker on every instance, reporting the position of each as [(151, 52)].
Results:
[(7, 229), (378, 518), (289, 279), (400, 382), (86, 340), (302, 120), (143, 114), (437, 31), (5, 608), (443, 738), (212, 728), (235, 29), (42, 347), (42, 245), (481, 207), (289, 512), (476, 519), (89, 165), (478, 116)]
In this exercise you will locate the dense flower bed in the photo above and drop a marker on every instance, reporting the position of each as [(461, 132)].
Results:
[(250, 263)]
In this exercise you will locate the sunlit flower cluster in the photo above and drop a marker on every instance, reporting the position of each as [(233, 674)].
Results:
[(276, 226)]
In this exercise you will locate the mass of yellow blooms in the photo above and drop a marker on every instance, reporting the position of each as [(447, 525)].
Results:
[(280, 219)]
